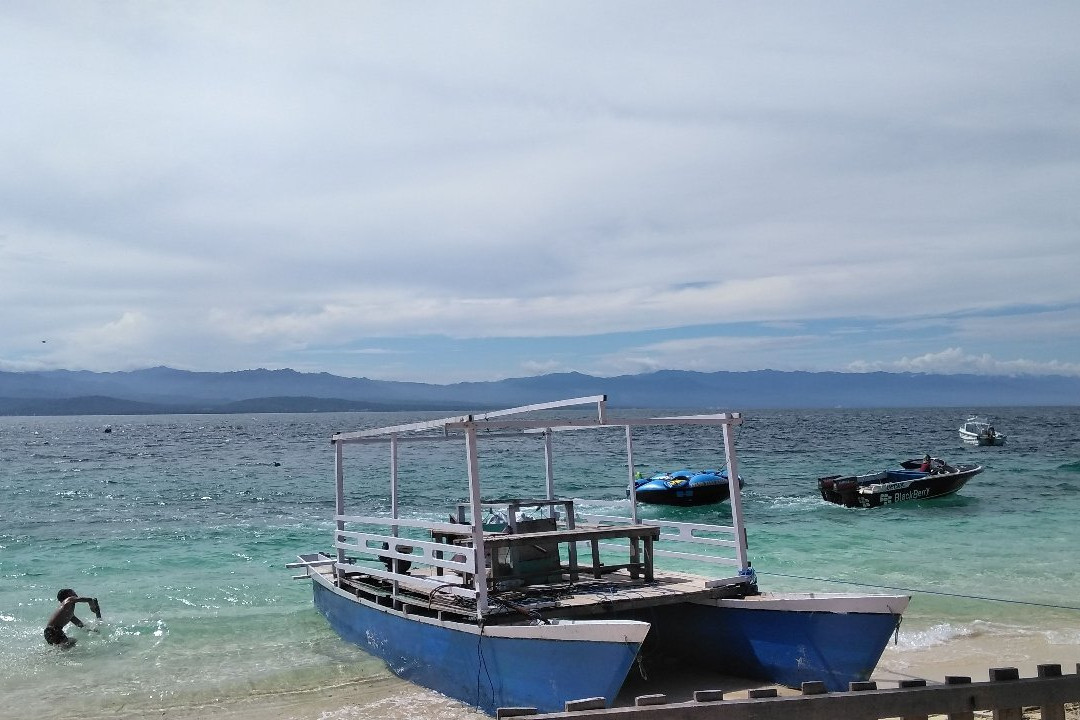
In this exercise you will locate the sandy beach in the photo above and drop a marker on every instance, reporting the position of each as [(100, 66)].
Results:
[(387, 697), (393, 699)]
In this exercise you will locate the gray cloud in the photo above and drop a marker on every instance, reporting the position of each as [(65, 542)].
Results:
[(215, 186)]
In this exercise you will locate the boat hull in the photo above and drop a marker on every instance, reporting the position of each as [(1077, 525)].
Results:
[(982, 439), (896, 487), (782, 639), (540, 666), (684, 488)]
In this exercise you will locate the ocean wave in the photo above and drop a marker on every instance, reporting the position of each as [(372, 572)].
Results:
[(1063, 636), (935, 636), (786, 502), (944, 633), (404, 705)]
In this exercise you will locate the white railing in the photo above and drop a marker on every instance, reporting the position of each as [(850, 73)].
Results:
[(374, 546), (680, 532)]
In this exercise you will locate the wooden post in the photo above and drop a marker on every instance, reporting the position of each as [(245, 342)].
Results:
[(913, 684), (1006, 674), (960, 680), (1051, 712)]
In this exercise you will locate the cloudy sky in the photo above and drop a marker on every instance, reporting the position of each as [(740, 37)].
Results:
[(456, 191)]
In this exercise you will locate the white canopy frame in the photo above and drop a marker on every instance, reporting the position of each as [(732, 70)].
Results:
[(510, 423)]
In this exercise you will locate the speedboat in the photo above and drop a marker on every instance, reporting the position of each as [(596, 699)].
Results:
[(980, 431), (684, 487), (913, 480)]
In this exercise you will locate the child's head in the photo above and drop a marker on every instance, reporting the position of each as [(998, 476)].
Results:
[(65, 594)]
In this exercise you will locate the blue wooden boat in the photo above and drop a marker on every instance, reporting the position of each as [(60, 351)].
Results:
[(488, 666), (534, 602), (684, 487)]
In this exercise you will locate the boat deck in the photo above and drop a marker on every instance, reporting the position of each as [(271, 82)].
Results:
[(616, 592)]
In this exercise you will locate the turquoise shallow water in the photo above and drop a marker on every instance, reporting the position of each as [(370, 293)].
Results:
[(182, 526)]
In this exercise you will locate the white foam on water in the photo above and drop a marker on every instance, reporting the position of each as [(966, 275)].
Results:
[(418, 705)]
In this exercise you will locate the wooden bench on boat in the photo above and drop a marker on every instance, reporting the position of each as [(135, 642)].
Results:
[(641, 539), (524, 547), (527, 550)]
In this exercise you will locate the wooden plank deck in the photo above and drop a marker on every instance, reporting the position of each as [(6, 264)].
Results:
[(616, 592)]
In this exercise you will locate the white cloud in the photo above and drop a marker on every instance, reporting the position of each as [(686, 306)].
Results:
[(707, 354), (955, 360), (254, 180)]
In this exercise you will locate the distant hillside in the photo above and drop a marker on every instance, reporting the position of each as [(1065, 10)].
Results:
[(164, 390)]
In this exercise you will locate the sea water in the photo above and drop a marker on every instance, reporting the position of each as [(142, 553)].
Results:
[(182, 527)]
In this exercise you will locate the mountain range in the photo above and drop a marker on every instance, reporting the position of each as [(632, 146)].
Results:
[(163, 390)]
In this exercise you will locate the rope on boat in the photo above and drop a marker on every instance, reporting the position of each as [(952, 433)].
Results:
[(927, 592)]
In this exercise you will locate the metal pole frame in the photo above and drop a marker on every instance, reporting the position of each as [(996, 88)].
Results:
[(549, 470), (480, 577), (630, 475), (735, 493), (339, 495)]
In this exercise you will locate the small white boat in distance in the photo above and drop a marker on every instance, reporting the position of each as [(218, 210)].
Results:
[(978, 430)]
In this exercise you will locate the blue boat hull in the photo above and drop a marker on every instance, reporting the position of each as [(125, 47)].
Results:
[(786, 647), (479, 669)]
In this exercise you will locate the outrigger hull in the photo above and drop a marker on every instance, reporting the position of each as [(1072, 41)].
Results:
[(540, 666), (785, 639)]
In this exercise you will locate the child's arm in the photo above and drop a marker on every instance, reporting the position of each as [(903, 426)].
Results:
[(94, 607)]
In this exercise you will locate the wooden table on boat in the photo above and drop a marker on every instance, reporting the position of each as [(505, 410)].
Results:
[(640, 539)]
